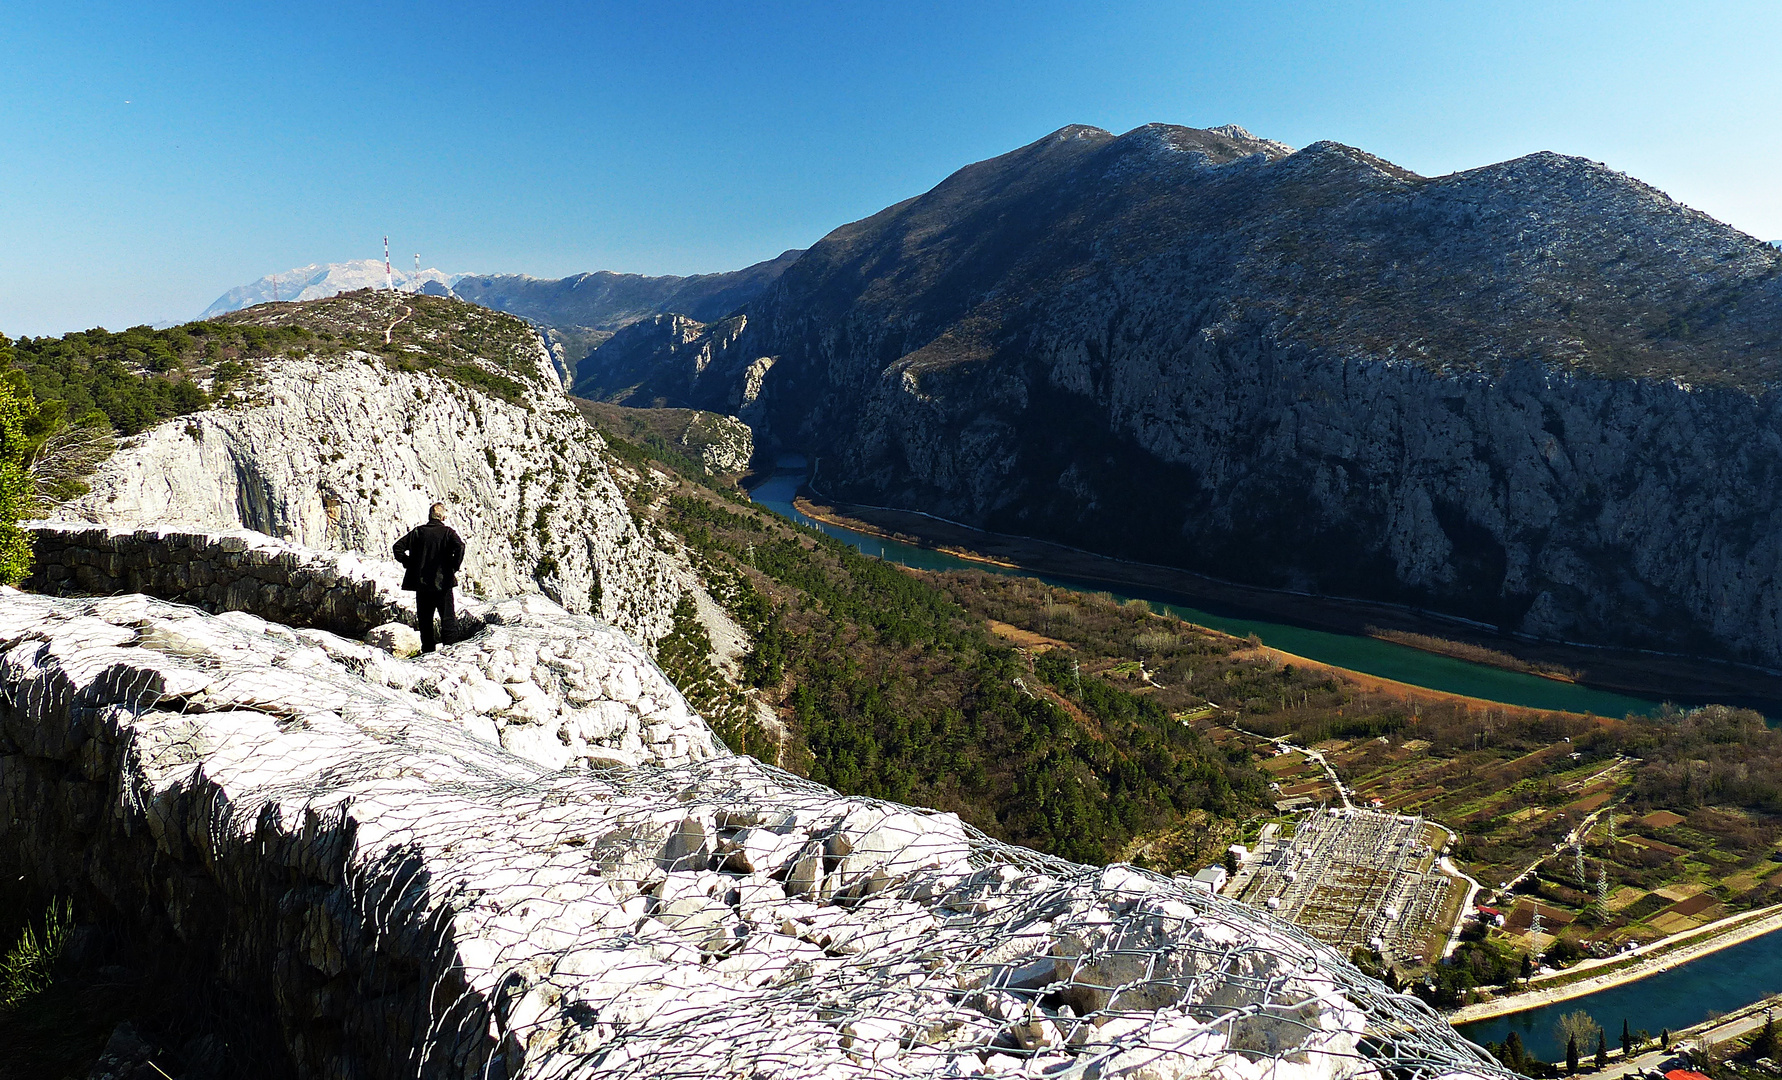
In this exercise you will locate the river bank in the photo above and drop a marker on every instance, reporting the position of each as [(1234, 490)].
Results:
[(1641, 963), (1404, 691), (1641, 674)]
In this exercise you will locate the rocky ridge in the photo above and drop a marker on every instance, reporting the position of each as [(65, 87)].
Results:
[(1538, 394), (324, 840), (581, 311), (343, 446), (557, 689)]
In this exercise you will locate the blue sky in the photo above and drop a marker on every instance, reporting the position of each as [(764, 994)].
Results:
[(158, 154)]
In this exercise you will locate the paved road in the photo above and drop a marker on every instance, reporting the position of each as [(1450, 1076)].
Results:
[(1741, 1023)]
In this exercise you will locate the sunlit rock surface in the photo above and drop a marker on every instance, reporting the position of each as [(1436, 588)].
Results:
[(338, 835)]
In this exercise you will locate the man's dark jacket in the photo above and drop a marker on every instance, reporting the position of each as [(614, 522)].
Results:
[(432, 554)]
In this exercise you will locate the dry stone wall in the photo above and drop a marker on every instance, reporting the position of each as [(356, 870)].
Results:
[(558, 689), (409, 898), (238, 570)]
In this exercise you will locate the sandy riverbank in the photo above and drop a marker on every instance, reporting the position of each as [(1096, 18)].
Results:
[(1374, 684), (1659, 956), (1652, 676)]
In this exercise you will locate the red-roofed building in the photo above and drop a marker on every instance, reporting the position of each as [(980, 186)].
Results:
[(1684, 1074)]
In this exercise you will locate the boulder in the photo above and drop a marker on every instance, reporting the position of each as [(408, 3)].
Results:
[(396, 639)]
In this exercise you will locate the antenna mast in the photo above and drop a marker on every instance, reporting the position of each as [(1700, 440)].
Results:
[(389, 279), (415, 284)]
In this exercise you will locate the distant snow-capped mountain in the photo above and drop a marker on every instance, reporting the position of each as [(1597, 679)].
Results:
[(318, 280)]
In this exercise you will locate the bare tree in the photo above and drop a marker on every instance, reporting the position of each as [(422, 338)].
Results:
[(1578, 1027), (70, 453)]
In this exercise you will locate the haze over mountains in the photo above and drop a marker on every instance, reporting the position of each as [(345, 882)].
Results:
[(582, 310), (1537, 394), (320, 280)]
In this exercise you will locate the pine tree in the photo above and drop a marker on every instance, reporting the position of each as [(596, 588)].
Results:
[(1514, 1055), (1664, 1038), (1626, 1039), (1571, 1056), (1765, 1043), (1527, 967), (18, 415), (1602, 1050)]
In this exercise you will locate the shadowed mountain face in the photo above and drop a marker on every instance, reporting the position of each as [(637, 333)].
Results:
[(1536, 393)]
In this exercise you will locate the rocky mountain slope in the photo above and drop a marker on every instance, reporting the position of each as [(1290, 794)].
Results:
[(341, 440), (606, 301), (583, 310), (318, 281), (1537, 394)]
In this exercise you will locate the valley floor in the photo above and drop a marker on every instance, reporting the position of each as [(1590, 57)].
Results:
[(1657, 677)]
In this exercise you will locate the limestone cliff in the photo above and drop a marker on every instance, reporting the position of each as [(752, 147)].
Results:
[(343, 445), (1539, 394)]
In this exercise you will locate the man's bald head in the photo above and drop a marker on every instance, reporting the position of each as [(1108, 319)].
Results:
[(438, 512)]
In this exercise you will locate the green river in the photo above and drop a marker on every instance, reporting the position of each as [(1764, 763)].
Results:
[(1370, 655), (1675, 998)]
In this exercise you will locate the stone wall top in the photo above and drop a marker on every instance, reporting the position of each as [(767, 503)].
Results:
[(225, 570)]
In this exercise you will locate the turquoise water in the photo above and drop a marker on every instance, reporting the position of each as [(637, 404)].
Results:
[(1375, 657), (1674, 999)]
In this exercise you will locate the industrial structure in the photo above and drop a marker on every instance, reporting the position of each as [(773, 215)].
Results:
[(1356, 878)]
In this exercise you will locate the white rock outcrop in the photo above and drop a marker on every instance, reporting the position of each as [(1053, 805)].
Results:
[(345, 453), (334, 831)]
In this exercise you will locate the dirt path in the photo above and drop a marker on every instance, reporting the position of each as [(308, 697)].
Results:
[(406, 312)]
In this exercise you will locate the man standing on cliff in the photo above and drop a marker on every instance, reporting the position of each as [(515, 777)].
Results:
[(432, 553)]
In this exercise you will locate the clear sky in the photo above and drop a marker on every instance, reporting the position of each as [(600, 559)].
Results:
[(156, 154)]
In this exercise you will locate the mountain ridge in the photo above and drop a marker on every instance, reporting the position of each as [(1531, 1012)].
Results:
[(1535, 393)]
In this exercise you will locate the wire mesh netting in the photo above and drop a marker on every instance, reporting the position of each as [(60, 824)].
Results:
[(719, 918)]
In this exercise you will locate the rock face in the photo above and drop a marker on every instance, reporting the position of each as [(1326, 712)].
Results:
[(345, 452), (316, 830), (1539, 394)]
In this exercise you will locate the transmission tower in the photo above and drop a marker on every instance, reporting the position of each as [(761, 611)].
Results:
[(1602, 889), (1578, 850), (1534, 928), (389, 278)]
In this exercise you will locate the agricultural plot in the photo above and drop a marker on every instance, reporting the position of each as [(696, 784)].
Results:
[(1647, 871), (1296, 781)]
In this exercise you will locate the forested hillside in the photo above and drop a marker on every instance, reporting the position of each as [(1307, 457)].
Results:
[(1098, 729)]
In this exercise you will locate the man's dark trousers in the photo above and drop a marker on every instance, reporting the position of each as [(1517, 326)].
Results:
[(427, 601)]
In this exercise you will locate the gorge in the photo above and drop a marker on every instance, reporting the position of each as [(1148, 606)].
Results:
[(1537, 394)]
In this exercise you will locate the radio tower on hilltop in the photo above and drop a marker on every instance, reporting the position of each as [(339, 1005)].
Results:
[(415, 285), (389, 278)]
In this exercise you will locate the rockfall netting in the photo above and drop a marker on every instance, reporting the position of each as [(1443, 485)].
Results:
[(423, 903)]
